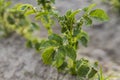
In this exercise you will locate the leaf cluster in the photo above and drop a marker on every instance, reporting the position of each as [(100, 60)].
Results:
[(15, 19)]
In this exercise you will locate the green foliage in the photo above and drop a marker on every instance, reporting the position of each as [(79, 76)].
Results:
[(84, 70), (92, 73), (47, 55), (101, 76), (114, 3), (83, 38), (99, 14), (3, 27), (58, 50), (15, 20), (56, 38)]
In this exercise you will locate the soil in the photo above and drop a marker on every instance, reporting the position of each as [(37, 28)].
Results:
[(20, 63)]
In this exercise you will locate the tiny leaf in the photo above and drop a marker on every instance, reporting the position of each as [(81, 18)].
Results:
[(92, 73), (88, 21), (83, 38), (29, 44), (34, 26), (11, 20), (89, 8)]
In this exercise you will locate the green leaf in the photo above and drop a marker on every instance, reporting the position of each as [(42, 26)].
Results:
[(29, 12), (58, 61), (27, 8), (37, 46), (53, 1), (83, 70), (11, 20), (56, 38), (76, 32), (34, 26), (62, 50), (99, 14), (70, 63), (23, 22), (92, 73), (24, 7), (84, 41), (89, 8), (88, 21), (68, 13), (83, 38), (60, 57), (7, 4), (71, 53), (62, 67), (48, 43), (29, 44), (80, 62), (95, 65), (73, 14), (47, 55), (64, 29), (46, 18)]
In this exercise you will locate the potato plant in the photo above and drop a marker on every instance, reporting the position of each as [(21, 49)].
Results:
[(14, 20), (3, 26), (114, 3), (58, 50)]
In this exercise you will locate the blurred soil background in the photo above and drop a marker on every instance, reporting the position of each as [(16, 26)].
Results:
[(20, 63)]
